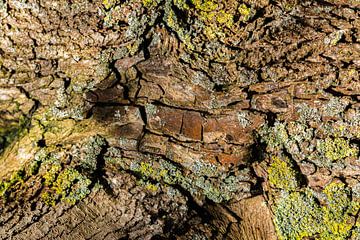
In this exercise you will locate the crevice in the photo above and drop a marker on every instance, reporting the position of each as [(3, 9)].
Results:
[(99, 175)]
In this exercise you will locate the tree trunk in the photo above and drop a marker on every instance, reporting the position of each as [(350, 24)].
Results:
[(179, 119)]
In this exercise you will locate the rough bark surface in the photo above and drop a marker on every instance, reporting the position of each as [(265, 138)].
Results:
[(175, 119)]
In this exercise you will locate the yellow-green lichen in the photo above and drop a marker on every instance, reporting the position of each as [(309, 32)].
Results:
[(146, 169), (225, 18), (62, 180), (109, 3), (299, 215), (66, 184), (48, 199), (50, 175), (336, 149), (282, 175), (205, 5), (245, 12), (197, 183), (70, 186), (209, 33), (212, 18), (6, 186), (208, 11), (149, 186), (172, 21), (338, 212), (152, 187), (275, 137), (149, 3)]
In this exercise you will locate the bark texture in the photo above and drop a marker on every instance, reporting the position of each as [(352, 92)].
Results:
[(179, 119)]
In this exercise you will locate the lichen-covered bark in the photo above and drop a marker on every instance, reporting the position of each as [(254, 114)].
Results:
[(174, 119)]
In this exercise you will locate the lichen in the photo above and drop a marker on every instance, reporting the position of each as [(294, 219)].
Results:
[(307, 113), (171, 20), (275, 137), (225, 18), (337, 214), (148, 185), (199, 183), (299, 215), (109, 3), (48, 199), (67, 185), (201, 168), (62, 178), (50, 175), (282, 175), (149, 3), (71, 186), (245, 12), (6, 186), (336, 149), (89, 152), (334, 38), (212, 19), (244, 119)]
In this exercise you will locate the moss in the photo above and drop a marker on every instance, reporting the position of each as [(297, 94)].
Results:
[(282, 175), (336, 149)]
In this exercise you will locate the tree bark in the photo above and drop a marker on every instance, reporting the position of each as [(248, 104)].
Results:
[(175, 119)]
